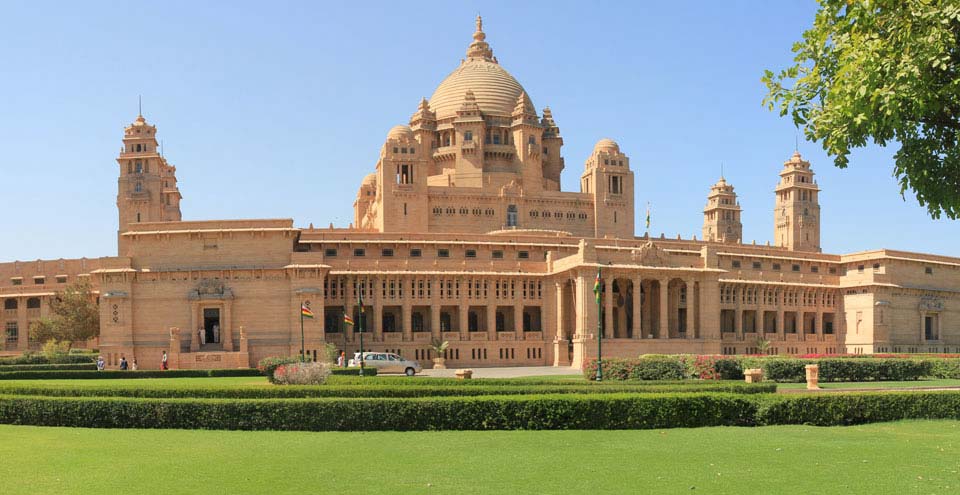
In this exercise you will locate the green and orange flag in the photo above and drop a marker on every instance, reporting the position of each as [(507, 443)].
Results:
[(596, 286), (305, 311)]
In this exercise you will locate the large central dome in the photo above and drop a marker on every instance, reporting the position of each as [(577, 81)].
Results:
[(495, 89)]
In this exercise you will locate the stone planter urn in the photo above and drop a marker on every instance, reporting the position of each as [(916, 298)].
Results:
[(813, 376), (438, 363)]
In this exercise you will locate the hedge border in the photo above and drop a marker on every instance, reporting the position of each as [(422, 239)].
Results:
[(547, 412)]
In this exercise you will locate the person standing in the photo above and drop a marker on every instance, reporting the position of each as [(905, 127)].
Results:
[(135, 367), (100, 363), (163, 361), (123, 363), (341, 359), (216, 333), (203, 336)]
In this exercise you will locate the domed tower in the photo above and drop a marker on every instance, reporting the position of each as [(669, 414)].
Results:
[(362, 206), (400, 186), (797, 210), (147, 187), (607, 176), (721, 217)]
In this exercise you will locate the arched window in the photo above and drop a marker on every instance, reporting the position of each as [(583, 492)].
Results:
[(496, 138), (139, 168), (468, 136), (138, 148), (33, 303), (532, 140), (138, 187), (10, 304)]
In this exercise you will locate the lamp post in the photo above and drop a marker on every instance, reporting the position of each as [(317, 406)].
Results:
[(360, 329), (598, 291)]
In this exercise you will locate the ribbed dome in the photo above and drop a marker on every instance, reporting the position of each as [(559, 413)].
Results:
[(495, 89), (608, 145), (400, 132)]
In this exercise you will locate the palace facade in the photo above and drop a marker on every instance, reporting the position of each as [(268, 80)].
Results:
[(462, 233)]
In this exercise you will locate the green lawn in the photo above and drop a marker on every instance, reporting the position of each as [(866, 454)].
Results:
[(858, 385), (904, 457)]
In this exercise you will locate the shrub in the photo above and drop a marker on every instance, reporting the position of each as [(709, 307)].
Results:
[(354, 371), (371, 388), (784, 369), (53, 348), (854, 408), (106, 374), (945, 368), (29, 358), (301, 374), (268, 365), (47, 367), (637, 369), (607, 411)]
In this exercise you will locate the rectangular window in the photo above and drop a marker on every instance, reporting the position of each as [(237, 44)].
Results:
[(359, 253), (497, 255), (735, 263), (39, 280), (16, 281), (814, 269), (757, 265), (12, 331), (61, 279), (795, 268), (443, 253), (833, 270), (330, 252), (776, 267), (523, 255), (471, 253), (859, 268), (876, 267), (386, 253), (928, 270), (416, 253)]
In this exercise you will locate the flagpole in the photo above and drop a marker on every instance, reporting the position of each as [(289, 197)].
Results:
[(360, 329), (599, 329), (302, 346)]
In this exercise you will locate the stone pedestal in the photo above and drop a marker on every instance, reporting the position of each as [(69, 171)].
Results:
[(753, 375), (813, 376), (464, 374)]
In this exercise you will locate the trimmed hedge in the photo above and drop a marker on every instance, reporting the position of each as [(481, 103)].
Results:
[(94, 375), (779, 369), (367, 371), (47, 367), (596, 411), (328, 390), (41, 359), (608, 411), (637, 369), (857, 408)]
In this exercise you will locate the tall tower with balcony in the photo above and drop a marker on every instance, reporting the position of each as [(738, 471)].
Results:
[(797, 210), (608, 178), (721, 216), (147, 185)]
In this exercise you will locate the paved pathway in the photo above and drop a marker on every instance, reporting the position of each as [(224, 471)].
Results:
[(512, 372)]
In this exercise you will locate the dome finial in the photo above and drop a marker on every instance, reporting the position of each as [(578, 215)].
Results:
[(480, 48)]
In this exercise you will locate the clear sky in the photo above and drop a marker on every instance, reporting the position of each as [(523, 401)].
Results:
[(278, 109)]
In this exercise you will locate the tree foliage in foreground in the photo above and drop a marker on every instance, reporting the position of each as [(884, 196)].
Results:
[(74, 316), (882, 70)]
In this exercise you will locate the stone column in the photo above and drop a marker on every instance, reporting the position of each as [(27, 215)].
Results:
[(376, 319), (664, 308), (560, 312), (491, 319), (226, 327), (405, 310), (435, 321), (692, 309), (781, 332), (464, 322), (518, 319), (23, 325), (194, 326), (348, 303), (637, 310), (738, 311), (608, 308)]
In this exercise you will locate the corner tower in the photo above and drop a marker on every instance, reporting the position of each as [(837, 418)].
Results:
[(721, 216), (797, 211), (608, 178), (147, 187)]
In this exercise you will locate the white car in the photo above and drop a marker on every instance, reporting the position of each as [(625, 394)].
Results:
[(386, 362)]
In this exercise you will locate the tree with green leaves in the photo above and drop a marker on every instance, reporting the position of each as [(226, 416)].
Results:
[(74, 316), (884, 71)]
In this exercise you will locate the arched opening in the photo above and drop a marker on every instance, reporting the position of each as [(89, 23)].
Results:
[(9, 304), (33, 303)]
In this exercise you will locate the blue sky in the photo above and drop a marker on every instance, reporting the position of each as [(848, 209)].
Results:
[(278, 109)]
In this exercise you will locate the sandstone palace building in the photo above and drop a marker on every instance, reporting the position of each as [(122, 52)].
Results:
[(462, 233)]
